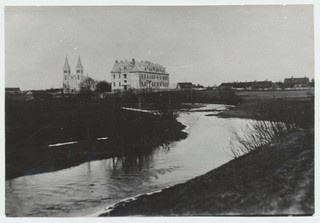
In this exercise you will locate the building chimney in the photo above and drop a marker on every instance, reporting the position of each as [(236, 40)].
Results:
[(133, 61)]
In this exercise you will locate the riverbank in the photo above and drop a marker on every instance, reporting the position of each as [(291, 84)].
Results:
[(277, 179), (53, 134)]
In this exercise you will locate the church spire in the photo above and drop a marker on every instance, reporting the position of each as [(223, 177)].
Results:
[(79, 65), (66, 65)]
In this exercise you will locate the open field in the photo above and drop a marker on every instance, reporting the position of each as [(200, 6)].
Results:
[(266, 95)]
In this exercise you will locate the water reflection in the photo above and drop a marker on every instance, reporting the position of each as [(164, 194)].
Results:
[(89, 187)]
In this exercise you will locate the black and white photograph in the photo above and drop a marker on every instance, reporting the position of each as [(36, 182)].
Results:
[(159, 110)]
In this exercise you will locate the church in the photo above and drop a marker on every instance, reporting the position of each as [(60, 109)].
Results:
[(72, 82)]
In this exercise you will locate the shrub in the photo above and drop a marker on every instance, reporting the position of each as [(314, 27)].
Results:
[(256, 135)]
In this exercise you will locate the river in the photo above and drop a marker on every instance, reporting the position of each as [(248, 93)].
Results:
[(90, 187)]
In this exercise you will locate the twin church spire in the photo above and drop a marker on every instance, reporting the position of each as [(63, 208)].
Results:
[(72, 81), (67, 67)]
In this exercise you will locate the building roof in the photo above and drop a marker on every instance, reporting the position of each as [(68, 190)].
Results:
[(292, 81), (237, 84), (12, 89), (185, 85), (137, 66), (262, 84), (79, 64), (66, 65)]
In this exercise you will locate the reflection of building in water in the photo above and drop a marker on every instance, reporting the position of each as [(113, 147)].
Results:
[(137, 75)]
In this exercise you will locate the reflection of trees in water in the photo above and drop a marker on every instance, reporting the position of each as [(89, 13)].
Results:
[(140, 166), (138, 162)]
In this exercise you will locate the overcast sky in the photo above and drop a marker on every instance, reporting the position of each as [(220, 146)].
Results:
[(202, 44)]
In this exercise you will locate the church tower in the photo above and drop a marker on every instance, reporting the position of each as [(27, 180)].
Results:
[(66, 67), (66, 74), (79, 70)]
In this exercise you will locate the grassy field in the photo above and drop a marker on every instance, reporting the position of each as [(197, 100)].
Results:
[(283, 94)]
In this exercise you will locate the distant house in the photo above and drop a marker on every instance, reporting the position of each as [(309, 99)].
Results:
[(184, 85), (262, 85), (13, 91), (296, 82), (236, 85)]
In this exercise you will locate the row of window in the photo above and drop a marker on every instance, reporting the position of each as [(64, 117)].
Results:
[(154, 84), (145, 76), (154, 69), (77, 77), (146, 69), (124, 76), (114, 83), (68, 71), (154, 76)]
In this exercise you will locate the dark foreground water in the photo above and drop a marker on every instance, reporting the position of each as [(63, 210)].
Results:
[(90, 187)]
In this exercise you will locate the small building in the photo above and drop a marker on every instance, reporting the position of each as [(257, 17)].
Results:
[(237, 85), (135, 75), (12, 91), (296, 82), (262, 85), (184, 86)]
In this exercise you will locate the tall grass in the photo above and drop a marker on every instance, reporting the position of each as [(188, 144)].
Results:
[(278, 118), (256, 135)]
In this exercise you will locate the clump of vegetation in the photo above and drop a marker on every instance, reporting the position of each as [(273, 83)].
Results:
[(278, 118), (256, 135)]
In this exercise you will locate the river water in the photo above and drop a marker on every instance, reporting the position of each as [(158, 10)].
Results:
[(90, 187)]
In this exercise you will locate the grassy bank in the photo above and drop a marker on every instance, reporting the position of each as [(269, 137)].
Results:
[(31, 126), (277, 179)]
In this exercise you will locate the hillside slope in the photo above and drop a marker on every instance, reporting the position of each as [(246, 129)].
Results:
[(277, 179)]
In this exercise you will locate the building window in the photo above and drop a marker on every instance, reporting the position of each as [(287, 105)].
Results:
[(119, 84), (125, 68), (65, 77), (114, 76), (78, 77), (124, 75), (119, 76), (114, 84), (125, 81)]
